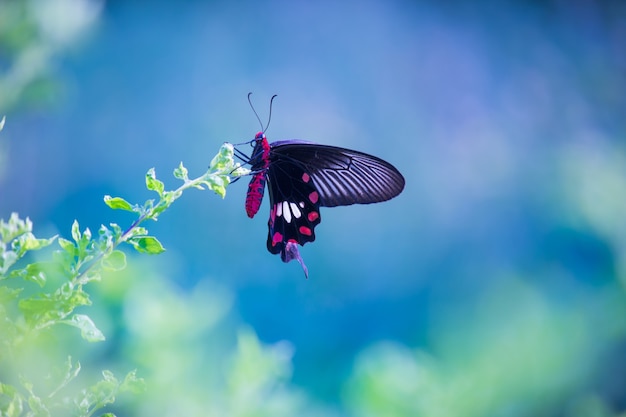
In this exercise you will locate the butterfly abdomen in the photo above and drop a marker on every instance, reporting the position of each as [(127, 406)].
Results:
[(256, 188), (260, 161)]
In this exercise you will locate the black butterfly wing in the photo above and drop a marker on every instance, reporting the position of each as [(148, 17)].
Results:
[(303, 176), (341, 176), (294, 206)]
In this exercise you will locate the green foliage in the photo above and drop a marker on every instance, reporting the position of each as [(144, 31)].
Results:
[(32, 35), (38, 296), (198, 360), (516, 354)]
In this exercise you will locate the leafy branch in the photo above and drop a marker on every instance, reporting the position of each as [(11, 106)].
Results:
[(79, 261)]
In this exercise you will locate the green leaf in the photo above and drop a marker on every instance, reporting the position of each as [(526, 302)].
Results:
[(132, 383), (37, 406), (224, 158), (109, 376), (168, 198), (88, 329), (148, 205), (84, 247), (85, 239), (67, 245), (8, 294), (152, 183), (34, 243), (115, 261), (11, 404), (14, 227), (98, 395), (17, 234), (218, 184), (117, 203), (181, 172), (46, 309), (106, 240), (7, 260), (117, 230), (27, 242), (32, 272), (76, 231), (147, 244)]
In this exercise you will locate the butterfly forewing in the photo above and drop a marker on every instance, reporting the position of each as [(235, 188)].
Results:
[(342, 176)]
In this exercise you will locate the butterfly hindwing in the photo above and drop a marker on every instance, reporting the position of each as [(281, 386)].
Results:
[(294, 206)]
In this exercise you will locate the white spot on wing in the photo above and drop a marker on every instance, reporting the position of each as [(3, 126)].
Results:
[(279, 209), (295, 210), (286, 211)]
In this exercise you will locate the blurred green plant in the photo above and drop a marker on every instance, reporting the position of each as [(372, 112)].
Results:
[(198, 359), (33, 34), (516, 354), (27, 317)]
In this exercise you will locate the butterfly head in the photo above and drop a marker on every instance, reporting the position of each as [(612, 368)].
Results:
[(259, 142), (259, 137), (260, 154)]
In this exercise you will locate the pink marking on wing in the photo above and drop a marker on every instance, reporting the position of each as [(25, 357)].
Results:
[(273, 213), (305, 231), (312, 216), (276, 238), (313, 197), (306, 177)]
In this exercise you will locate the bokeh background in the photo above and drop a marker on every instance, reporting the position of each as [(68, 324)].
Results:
[(492, 286)]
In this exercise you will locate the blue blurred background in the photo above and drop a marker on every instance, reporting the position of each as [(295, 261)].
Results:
[(493, 285)]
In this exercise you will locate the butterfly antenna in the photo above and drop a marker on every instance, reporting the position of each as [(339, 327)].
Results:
[(255, 113), (269, 119)]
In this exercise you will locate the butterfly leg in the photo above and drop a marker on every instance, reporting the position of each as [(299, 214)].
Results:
[(241, 155)]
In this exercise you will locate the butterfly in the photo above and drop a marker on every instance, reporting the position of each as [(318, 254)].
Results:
[(303, 176)]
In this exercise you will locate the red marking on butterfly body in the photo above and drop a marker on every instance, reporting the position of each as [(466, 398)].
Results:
[(256, 188)]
